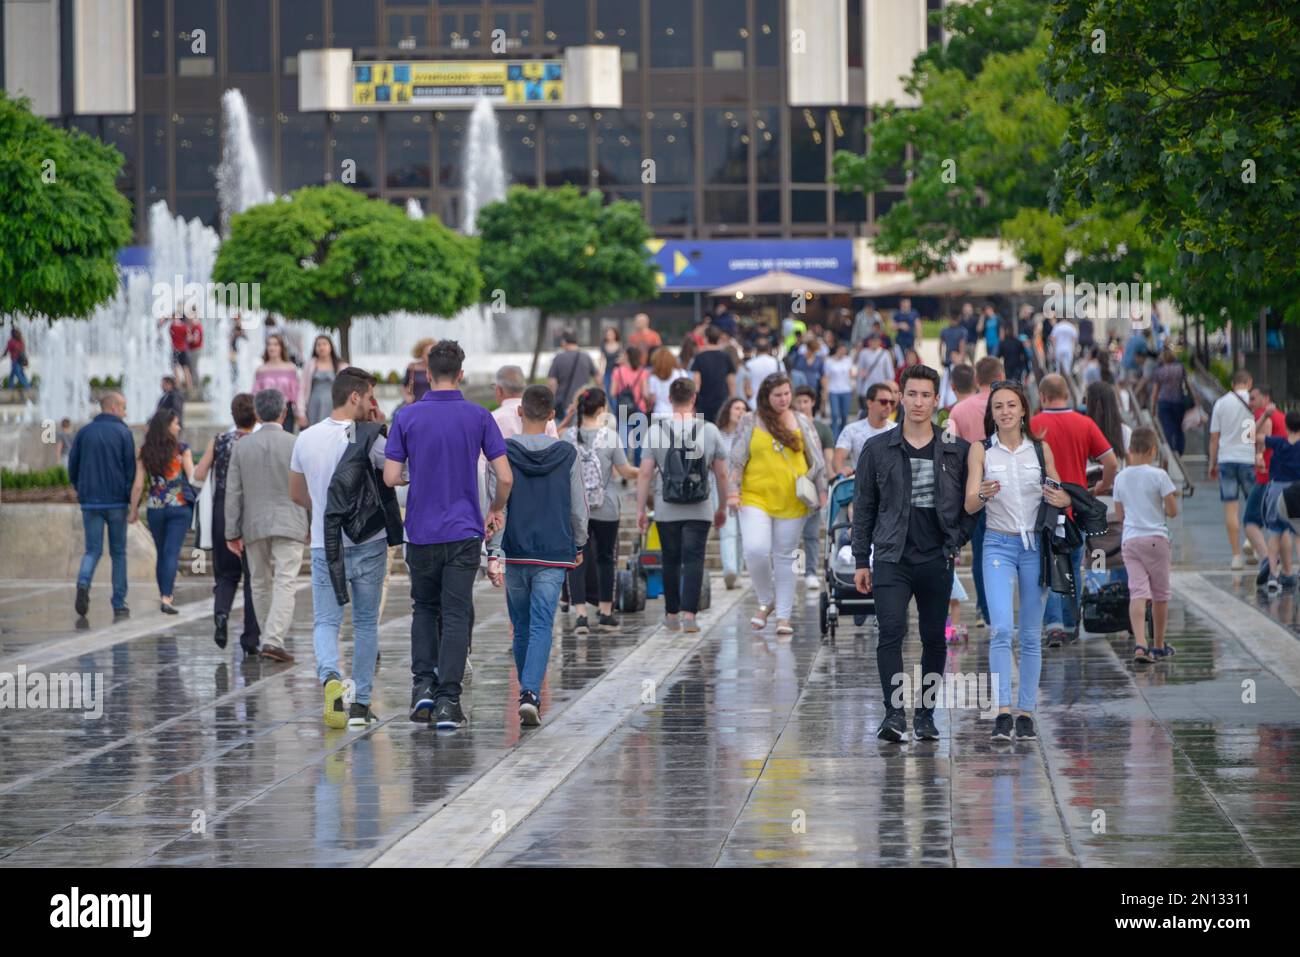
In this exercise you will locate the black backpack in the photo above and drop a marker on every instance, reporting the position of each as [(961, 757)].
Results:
[(685, 472)]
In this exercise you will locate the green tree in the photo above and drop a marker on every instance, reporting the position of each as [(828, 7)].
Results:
[(559, 251), (62, 220), (327, 254), (1190, 110), (983, 159)]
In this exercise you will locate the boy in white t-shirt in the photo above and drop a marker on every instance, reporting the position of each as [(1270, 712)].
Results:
[(1145, 498)]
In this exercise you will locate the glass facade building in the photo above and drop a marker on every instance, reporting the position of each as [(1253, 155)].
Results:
[(704, 90)]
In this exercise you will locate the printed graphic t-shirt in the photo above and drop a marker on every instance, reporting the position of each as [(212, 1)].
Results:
[(924, 534)]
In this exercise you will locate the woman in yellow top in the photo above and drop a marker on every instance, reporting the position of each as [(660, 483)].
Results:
[(774, 447)]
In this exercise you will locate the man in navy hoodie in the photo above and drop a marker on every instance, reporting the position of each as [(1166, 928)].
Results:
[(101, 466), (544, 534)]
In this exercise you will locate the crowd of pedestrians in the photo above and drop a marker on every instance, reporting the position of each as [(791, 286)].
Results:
[(740, 430)]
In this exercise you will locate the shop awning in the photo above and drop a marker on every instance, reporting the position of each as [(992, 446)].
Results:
[(779, 282)]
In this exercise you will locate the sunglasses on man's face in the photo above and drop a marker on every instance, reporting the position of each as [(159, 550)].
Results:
[(889, 402)]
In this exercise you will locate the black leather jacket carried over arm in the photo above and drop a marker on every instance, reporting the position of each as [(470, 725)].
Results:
[(882, 496), (359, 505)]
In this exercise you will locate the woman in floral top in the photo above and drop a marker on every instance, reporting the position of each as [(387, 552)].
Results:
[(168, 466)]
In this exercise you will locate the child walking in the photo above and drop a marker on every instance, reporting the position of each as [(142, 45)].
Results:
[(543, 537), (1145, 499)]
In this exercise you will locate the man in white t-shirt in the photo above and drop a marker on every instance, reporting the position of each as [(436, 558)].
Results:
[(874, 364), (1232, 455), (881, 402), (316, 453), (759, 368), (1064, 336)]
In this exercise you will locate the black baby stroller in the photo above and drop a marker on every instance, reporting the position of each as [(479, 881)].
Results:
[(841, 596), (1105, 602)]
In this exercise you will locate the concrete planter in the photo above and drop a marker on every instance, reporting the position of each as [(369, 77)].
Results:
[(46, 540)]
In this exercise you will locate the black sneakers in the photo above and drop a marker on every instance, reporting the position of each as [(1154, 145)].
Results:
[(923, 728), (219, 634), (422, 705), (82, 603), (449, 717), (607, 622), (530, 709), (1025, 727), (120, 614), (894, 727), (581, 627), (360, 715), (1003, 728)]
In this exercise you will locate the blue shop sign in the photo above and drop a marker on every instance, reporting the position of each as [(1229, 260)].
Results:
[(687, 265)]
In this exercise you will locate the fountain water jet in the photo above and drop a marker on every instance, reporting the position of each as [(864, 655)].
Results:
[(485, 171)]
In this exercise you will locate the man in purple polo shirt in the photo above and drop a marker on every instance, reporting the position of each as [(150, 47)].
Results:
[(439, 438)]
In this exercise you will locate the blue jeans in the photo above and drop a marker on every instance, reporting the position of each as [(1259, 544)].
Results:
[(1062, 611), (168, 526), (532, 595), (841, 406), (365, 567), (1236, 481), (17, 374), (1007, 563), (977, 565), (1171, 414), (93, 521)]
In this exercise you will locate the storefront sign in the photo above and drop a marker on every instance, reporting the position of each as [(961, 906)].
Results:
[(699, 265)]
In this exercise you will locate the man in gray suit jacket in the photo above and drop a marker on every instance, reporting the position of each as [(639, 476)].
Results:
[(263, 521)]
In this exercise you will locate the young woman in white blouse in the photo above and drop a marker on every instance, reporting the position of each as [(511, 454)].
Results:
[(1006, 480)]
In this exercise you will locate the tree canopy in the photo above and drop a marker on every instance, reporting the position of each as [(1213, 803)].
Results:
[(62, 220), (560, 251), (326, 254), (1192, 113)]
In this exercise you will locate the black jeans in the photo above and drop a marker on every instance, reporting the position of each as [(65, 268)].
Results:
[(442, 596), (893, 584), (595, 576), (683, 550), (227, 569)]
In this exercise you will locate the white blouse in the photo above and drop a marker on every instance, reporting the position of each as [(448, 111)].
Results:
[(1014, 510)]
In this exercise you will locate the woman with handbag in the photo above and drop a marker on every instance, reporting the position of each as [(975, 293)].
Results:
[(1170, 395), (168, 465), (1011, 475), (778, 475)]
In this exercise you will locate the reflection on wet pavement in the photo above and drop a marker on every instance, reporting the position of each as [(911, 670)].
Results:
[(755, 751), (764, 753)]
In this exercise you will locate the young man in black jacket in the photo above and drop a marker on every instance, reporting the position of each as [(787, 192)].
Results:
[(909, 523)]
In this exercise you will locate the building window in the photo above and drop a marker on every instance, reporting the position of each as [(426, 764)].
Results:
[(855, 36), (155, 158), (200, 206), (407, 31), (884, 202), (933, 28), (726, 147), (767, 33), (672, 146), (849, 127), (769, 206), (407, 149), (618, 148), (198, 151), (196, 27), (564, 23), (355, 141), (851, 207), (726, 34), (519, 135), (302, 27), (250, 20), (672, 33), (726, 206), (618, 23), (302, 150), (808, 206), (767, 140), (672, 207), (119, 131), (451, 147), (153, 38), (807, 145), (566, 149), (352, 24)]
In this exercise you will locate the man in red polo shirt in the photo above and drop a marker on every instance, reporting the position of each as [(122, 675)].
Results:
[(1261, 404), (1074, 439)]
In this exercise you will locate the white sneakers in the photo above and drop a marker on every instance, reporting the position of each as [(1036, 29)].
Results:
[(812, 582), (1238, 563)]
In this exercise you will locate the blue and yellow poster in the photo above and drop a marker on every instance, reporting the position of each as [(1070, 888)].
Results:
[(416, 85)]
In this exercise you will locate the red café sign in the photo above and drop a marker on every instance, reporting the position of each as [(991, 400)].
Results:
[(972, 268)]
